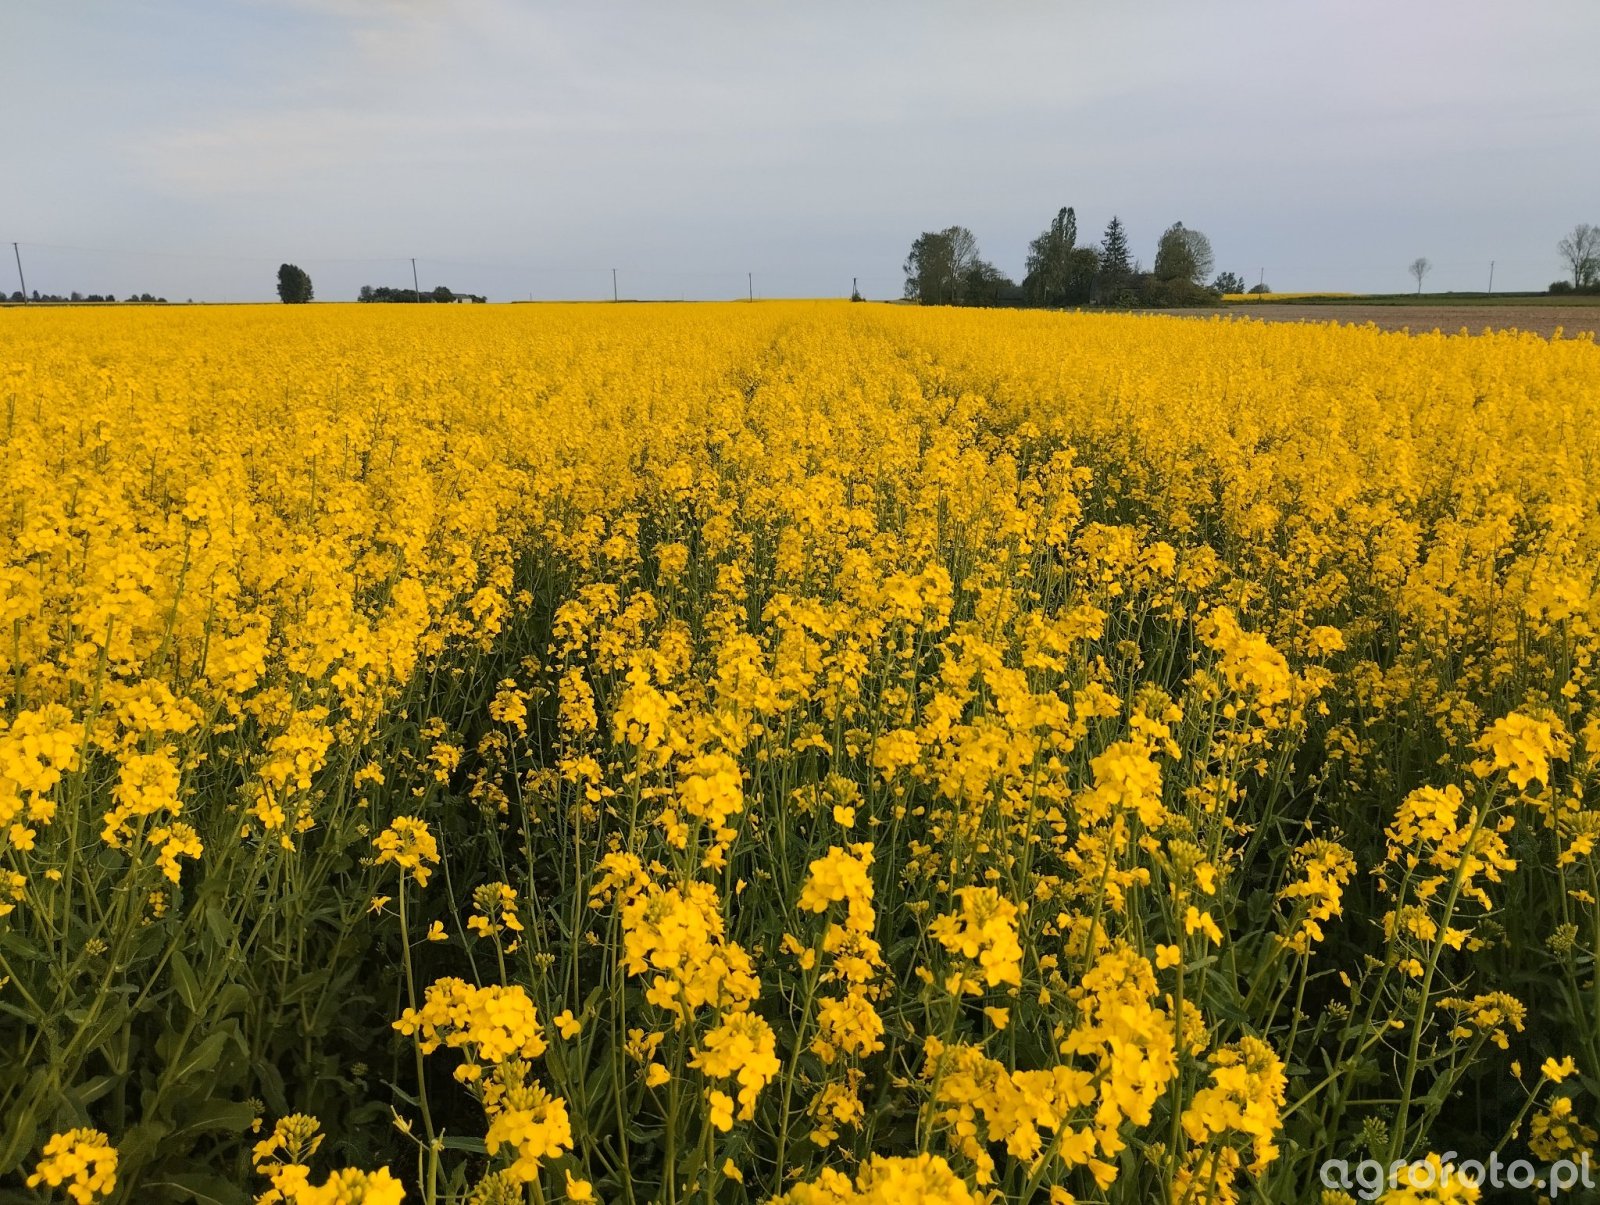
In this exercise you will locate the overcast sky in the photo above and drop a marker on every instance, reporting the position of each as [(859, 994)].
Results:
[(520, 148)]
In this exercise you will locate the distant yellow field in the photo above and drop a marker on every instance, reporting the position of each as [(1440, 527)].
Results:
[(809, 751)]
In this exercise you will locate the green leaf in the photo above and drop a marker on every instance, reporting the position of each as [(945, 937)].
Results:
[(199, 1060), (199, 1187), (139, 1142), (188, 986), (272, 1087), (17, 1138), (87, 1093), (226, 1116), (234, 998), (219, 926)]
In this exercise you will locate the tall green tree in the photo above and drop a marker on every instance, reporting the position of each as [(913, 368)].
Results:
[(1116, 260), (1173, 261), (1049, 261), (294, 285), (1183, 254)]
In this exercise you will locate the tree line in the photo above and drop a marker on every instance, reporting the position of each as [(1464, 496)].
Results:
[(945, 268), (18, 296), (439, 294), (294, 288)]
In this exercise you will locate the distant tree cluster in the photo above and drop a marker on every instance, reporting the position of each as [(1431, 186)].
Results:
[(1581, 252), (439, 294), (75, 297), (945, 268)]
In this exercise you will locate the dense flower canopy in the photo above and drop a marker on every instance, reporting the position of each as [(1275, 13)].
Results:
[(796, 750)]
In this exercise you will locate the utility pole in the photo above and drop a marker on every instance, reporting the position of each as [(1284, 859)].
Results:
[(415, 291), (613, 284), (20, 276), (1491, 276), (750, 284)]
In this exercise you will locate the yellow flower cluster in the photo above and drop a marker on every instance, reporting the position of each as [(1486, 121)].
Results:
[(1430, 1181), (498, 1028), (495, 911), (1557, 1132), (409, 844), (82, 1161), (284, 1155), (886, 1181), (984, 934), (1019, 1108), (741, 1047), (1520, 745), (1318, 897), (492, 1024), (1245, 1097), (675, 935), (524, 1117)]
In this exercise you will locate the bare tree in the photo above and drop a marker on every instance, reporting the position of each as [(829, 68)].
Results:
[(1419, 268), (939, 265), (1200, 252), (1581, 250), (963, 249)]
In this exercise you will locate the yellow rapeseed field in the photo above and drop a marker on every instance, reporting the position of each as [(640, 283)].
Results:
[(806, 751)]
